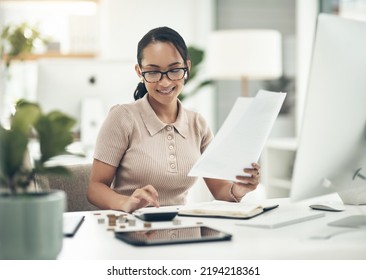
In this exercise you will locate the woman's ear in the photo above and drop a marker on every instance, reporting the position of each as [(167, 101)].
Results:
[(189, 64), (139, 73), (189, 68)]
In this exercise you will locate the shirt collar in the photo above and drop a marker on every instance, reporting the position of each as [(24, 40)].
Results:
[(154, 124)]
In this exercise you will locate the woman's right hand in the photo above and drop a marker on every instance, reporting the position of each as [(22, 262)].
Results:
[(103, 196), (140, 198)]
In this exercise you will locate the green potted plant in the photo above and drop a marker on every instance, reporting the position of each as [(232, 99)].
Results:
[(196, 56), (18, 40), (31, 220)]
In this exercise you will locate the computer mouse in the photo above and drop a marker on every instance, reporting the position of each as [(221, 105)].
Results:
[(328, 206)]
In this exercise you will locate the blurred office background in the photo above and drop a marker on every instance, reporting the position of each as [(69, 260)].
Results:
[(109, 30)]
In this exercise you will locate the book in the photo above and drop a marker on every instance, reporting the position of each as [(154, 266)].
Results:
[(224, 209)]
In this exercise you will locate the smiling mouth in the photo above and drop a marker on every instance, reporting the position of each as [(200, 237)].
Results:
[(166, 91)]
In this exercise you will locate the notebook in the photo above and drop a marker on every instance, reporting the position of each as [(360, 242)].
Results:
[(71, 224), (224, 209)]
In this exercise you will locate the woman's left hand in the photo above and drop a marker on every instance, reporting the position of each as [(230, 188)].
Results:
[(245, 183)]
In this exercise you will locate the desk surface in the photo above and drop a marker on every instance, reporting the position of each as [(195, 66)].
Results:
[(94, 241)]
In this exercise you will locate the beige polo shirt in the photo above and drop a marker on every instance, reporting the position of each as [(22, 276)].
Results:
[(147, 151)]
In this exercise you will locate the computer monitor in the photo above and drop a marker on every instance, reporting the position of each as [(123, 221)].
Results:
[(85, 89), (331, 155)]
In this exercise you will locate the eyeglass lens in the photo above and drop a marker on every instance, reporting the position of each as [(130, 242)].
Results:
[(156, 76)]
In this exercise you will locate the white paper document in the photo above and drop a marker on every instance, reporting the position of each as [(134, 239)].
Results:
[(241, 138)]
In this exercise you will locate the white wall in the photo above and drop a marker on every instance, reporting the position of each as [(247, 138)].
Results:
[(124, 22)]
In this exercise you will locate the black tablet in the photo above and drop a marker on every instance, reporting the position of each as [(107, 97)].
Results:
[(172, 236)]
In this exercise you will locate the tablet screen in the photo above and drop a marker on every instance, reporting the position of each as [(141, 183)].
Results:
[(172, 236)]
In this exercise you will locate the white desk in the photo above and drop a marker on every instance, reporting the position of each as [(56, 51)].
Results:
[(93, 240)]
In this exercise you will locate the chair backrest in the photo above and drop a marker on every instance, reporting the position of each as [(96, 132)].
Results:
[(75, 186)]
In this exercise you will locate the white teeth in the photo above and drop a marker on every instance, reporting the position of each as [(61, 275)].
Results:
[(166, 91)]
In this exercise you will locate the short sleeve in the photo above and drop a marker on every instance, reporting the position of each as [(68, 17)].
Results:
[(205, 132)]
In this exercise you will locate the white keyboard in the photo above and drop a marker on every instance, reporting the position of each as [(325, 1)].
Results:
[(276, 219)]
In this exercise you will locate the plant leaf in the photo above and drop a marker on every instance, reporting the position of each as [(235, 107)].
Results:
[(40, 168), (13, 145), (25, 116), (196, 56), (54, 132)]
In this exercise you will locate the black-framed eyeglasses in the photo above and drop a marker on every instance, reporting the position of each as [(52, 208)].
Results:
[(156, 76)]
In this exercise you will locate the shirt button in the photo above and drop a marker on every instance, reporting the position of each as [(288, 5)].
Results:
[(172, 166), (170, 137), (169, 128), (171, 147), (171, 156), (173, 234)]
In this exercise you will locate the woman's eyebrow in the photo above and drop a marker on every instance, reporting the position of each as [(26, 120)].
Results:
[(157, 66), (151, 65), (175, 63)]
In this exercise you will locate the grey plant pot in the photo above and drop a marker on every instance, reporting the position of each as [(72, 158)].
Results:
[(31, 225)]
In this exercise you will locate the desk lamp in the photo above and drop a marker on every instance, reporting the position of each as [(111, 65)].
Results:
[(247, 54)]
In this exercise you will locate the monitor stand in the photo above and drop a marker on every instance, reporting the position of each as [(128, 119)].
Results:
[(355, 192), (352, 196), (354, 221)]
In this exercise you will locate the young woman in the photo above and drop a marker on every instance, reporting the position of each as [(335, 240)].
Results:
[(145, 149)]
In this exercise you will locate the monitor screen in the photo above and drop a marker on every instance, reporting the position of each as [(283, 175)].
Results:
[(85, 89), (332, 140)]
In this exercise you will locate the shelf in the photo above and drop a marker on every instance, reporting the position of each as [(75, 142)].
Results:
[(52, 55), (36, 1), (277, 167)]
